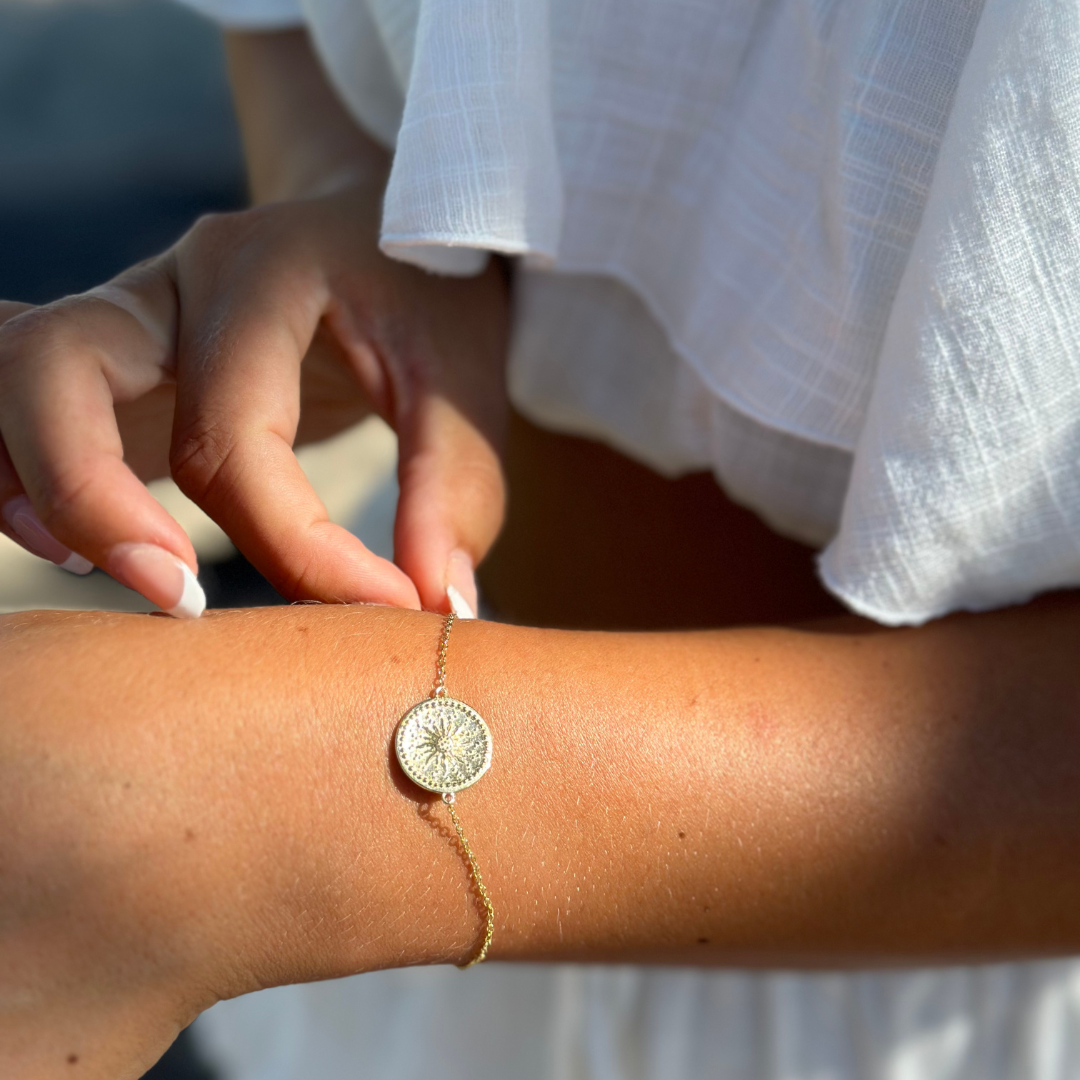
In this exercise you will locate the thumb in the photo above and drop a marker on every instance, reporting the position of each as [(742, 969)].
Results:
[(451, 506)]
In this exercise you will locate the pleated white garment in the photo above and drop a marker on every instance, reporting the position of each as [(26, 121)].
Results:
[(829, 249), (854, 223)]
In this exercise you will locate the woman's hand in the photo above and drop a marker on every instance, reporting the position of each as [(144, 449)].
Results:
[(258, 329)]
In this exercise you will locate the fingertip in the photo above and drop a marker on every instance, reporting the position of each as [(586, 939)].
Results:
[(458, 604), (192, 602), (393, 588), (337, 569), (461, 591), (160, 576), (76, 564)]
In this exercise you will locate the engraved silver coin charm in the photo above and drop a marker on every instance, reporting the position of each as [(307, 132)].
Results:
[(443, 745)]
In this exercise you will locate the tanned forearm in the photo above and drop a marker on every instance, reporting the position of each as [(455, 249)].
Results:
[(747, 797), (192, 810)]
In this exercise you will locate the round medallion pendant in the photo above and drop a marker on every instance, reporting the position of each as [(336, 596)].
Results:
[(443, 745)]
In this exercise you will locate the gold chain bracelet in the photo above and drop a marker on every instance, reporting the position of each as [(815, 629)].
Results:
[(444, 746)]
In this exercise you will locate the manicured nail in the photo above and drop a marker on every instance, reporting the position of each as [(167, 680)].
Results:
[(160, 576), (458, 604), (461, 585), (22, 519), (76, 564)]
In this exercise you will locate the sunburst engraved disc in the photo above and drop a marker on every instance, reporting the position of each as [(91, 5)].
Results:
[(443, 745)]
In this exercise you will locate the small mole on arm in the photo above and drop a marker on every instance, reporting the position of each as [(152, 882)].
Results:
[(189, 834), (682, 836), (73, 1059)]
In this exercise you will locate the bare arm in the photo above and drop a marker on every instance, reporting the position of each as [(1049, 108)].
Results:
[(191, 811), (298, 138)]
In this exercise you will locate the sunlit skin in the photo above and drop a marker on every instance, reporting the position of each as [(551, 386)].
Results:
[(221, 810), (193, 810)]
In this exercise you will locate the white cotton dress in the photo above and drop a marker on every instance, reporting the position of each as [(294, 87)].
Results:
[(828, 249)]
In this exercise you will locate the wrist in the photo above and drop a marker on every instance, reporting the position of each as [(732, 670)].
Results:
[(220, 805), (385, 886), (299, 140)]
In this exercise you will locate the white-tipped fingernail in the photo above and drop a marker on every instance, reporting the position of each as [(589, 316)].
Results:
[(461, 584), (192, 601), (458, 604), (22, 519), (76, 564), (160, 576)]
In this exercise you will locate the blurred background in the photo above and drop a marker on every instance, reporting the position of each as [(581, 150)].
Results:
[(116, 132)]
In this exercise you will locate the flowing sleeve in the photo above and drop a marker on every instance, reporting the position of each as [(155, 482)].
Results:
[(858, 231), (965, 486)]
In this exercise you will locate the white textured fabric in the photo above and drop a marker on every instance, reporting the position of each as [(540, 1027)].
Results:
[(828, 249), (616, 379), (965, 491), (508, 1022), (855, 222)]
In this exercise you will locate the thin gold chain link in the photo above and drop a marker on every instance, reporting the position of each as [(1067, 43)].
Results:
[(448, 798), (440, 663), (489, 909)]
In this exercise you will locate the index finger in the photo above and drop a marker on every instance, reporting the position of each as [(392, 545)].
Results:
[(242, 339)]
